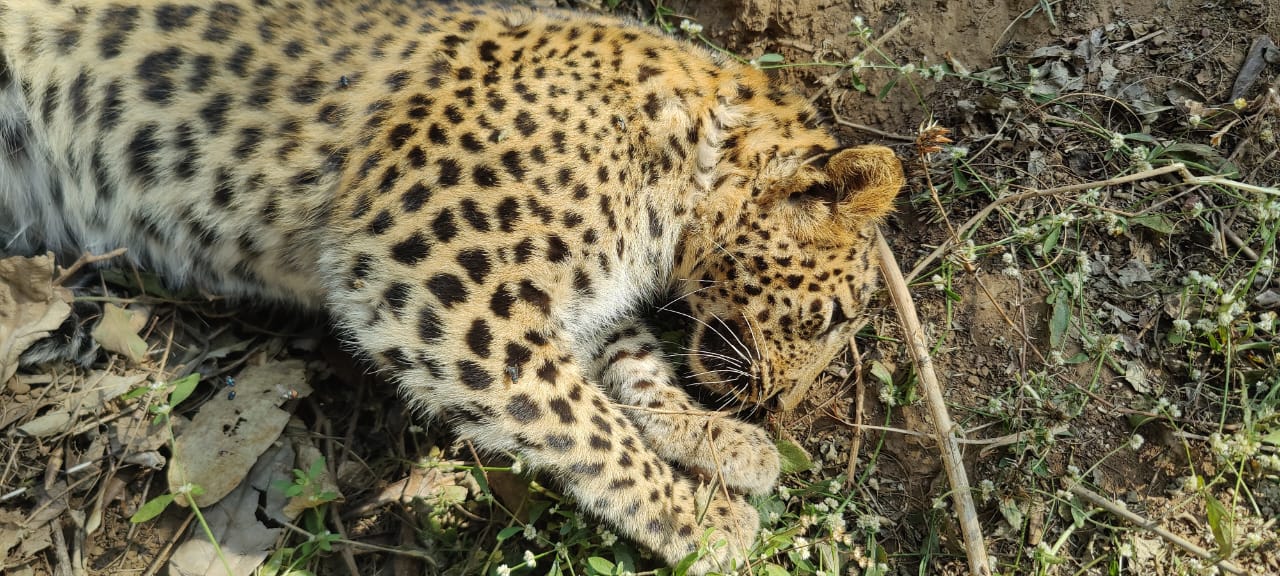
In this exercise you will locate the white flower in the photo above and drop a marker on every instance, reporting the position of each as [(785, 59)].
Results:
[(986, 488), (857, 63), (1135, 442), (504, 570), (1181, 326), (517, 466), (1074, 282), (690, 27), (185, 488), (886, 396), (529, 560), (802, 546), (530, 533), (1117, 141), (607, 538), (869, 522), (908, 68), (1266, 321)]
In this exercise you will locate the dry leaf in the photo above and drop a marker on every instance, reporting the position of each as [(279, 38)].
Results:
[(222, 442), (245, 541), (116, 332), (30, 307)]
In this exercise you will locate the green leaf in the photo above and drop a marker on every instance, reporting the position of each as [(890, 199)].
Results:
[(1078, 358), (857, 83), (1155, 222), (598, 565), (893, 81), (770, 58), (775, 570), (1078, 517), (682, 569), (509, 531), (478, 475), (1060, 320), (1012, 514), (881, 372), (316, 469), (625, 557), (1051, 239), (959, 180), (182, 388), (1140, 137), (1220, 523), (136, 392), (1273, 438), (152, 508), (794, 458)]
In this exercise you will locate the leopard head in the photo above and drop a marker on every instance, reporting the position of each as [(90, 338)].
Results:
[(782, 264)]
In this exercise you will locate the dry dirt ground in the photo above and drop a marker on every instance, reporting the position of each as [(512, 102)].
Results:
[(1055, 325)]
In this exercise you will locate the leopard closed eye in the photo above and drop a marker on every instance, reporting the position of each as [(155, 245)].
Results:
[(481, 197)]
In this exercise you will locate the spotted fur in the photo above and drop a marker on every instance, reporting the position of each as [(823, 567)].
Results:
[(481, 197)]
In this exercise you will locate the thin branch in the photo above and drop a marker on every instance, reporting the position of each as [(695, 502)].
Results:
[(1101, 502), (1177, 168), (944, 429), (85, 260), (859, 399)]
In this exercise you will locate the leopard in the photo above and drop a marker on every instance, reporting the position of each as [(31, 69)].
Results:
[(482, 198)]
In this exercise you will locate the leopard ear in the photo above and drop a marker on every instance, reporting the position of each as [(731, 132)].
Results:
[(864, 181)]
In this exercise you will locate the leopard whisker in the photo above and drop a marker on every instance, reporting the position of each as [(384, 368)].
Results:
[(724, 371), (756, 337), (722, 357), (736, 338), (739, 351), (709, 284)]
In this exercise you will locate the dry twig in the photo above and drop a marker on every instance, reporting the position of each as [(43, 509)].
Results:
[(85, 260), (859, 399), (944, 429), (1098, 500), (1178, 168)]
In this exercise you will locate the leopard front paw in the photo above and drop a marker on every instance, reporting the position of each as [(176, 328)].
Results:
[(743, 455), (720, 528)]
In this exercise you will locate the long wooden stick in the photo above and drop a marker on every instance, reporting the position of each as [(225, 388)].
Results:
[(1097, 500), (944, 430)]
